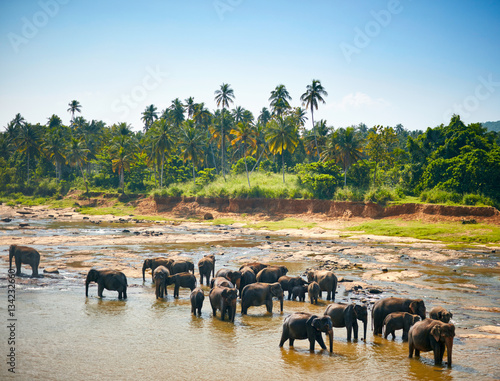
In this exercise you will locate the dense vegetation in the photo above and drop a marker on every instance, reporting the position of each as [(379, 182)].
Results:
[(187, 149)]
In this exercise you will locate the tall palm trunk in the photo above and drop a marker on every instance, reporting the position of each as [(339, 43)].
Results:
[(245, 158), (314, 130), (161, 170), (283, 162), (28, 154), (222, 143), (194, 176)]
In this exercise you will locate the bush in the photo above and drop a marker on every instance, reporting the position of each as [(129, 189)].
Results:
[(206, 176), (381, 195), (477, 199), (321, 178), (239, 167), (47, 188), (440, 196), (348, 194)]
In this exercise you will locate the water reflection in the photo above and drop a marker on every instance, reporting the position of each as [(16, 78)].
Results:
[(101, 306)]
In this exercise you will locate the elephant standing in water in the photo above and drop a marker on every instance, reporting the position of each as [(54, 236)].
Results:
[(197, 297), (247, 277), (347, 315), (206, 266), (153, 263), (160, 276), (185, 279), (302, 325), (384, 307), (327, 282), (257, 294), (107, 279), (399, 320), (233, 276), (432, 335), (26, 255), (271, 274), (181, 266), (224, 299), (288, 283)]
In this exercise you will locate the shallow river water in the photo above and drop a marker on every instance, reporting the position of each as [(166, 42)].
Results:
[(62, 335)]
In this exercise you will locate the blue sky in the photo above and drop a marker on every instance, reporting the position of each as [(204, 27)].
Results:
[(382, 62)]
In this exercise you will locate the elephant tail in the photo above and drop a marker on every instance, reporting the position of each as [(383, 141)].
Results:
[(12, 249)]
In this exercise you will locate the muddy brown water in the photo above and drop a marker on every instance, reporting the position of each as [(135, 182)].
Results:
[(61, 334)]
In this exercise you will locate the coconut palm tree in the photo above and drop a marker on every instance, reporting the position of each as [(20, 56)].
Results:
[(223, 97), (192, 145), (244, 133), (28, 139), (282, 136), (77, 156), (149, 115), (189, 107), (162, 139), (314, 94), (122, 151), (54, 146), (279, 100), (74, 106)]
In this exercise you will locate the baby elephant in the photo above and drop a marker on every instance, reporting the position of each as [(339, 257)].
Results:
[(439, 313), (399, 320), (313, 290), (197, 297), (299, 292)]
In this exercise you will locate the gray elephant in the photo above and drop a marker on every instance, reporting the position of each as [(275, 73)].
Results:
[(224, 299), (271, 274), (299, 292), (327, 282), (107, 279), (233, 276), (347, 315), (257, 294), (160, 276), (247, 277), (439, 313), (432, 335), (26, 255), (384, 307), (255, 266), (153, 263), (314, 291), (399, 320), (220, 281), (302, 325), (185, 279), (197, 297), (206, 267), (288, 283), (181, 266)]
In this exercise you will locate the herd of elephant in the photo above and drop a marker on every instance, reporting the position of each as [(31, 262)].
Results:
[(256, 284)]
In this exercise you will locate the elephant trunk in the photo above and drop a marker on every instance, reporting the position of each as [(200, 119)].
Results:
[(143, 272), (11, 254), (449, 348), (330, 339), (281, 301), (87, 288), (365, 326)]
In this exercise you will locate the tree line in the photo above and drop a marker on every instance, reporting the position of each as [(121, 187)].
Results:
[(188, 142)]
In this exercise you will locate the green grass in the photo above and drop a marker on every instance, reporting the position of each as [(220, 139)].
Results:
[(287, 223), (449, 232), (118, 209)]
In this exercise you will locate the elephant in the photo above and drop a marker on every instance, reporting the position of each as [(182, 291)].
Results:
[(288, 283), (432, 335), (247, 277), (271, 274), (399, 320), (181, 266), (233, 276), (112, 280), (439, 313), (220, 281), (327, 282), (197, 297), (206, 266), (257, 294), (26, 255), (384, 307), (184, 279), (153, 263), (347, 315), (299, 292), (255, 266), (302, 325), (314, 291), (224, 299), (160, 276)]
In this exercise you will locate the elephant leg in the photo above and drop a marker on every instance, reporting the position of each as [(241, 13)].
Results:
[(100, 289), (438, 357), (214, 311), (291, 341), (328, 295), (312, 341), (176, 291), (355, 329), (120, 295), (405, 335), (411, 349), (349, 332), (441, 351), (269, 306), (223, 312), (319, 339), (125, 293), (18, 266), (284, 336)]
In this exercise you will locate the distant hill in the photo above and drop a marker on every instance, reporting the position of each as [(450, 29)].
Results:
[(492, 126)]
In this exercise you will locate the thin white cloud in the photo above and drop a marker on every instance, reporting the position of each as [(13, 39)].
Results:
[(359, 100)]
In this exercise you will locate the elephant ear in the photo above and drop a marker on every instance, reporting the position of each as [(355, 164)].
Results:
[(413, 308), (436, 332), (311, 321), (224, 293)]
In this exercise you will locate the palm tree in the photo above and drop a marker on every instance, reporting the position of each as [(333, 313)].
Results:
[(279, 100), (282, 135), (54, 147), (314, 93), (74, 106), (77, 156), (223, 97), (162, 139), (264, 117), (189, 107), (245, 134), (28, 140), (176, 113), (18, 121), (149, 116), (345, 146), (122, 151), (192, 145)]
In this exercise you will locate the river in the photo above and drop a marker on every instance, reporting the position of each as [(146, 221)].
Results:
[(62, 335)]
